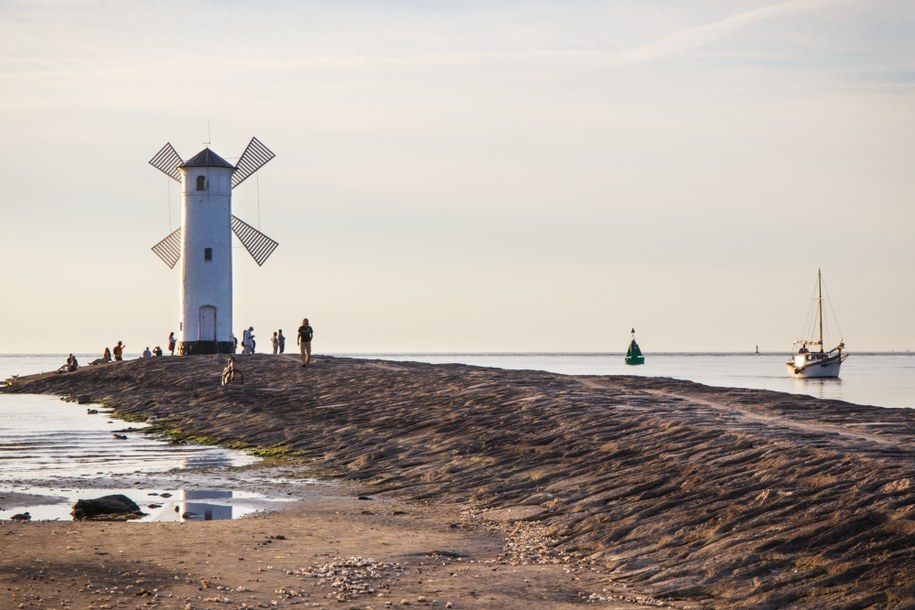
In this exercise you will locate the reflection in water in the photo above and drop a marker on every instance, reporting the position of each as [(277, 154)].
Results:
[(42, 439), (204, 511), (201, 505), (818, 387), (49, 504)]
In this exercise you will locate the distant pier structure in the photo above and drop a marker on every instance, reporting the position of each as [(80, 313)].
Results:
[(203, 242)]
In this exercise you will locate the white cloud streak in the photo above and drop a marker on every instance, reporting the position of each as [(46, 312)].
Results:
[(700, 36)]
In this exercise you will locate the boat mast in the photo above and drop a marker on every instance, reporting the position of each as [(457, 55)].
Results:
[(820, 306)]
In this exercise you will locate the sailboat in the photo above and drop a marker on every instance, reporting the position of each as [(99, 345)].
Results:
[(634, 354), (808, 356)]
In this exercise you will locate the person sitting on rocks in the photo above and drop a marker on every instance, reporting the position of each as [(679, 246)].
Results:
[(70, 366), (105, 359), (230, 372)]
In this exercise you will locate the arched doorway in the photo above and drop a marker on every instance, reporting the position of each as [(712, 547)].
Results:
[(207, 330)]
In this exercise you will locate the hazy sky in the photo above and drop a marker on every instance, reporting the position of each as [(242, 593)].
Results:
[(468, 176)]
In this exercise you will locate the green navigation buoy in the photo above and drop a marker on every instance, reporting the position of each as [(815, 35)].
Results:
[(634, 354)]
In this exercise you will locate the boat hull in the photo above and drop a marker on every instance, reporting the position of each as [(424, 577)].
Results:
[(804, 366)]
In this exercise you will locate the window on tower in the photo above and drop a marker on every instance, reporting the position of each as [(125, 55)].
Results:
[(208, 254), (201, 183)]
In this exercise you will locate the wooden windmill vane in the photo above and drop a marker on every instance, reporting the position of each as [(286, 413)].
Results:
[(203, 242)]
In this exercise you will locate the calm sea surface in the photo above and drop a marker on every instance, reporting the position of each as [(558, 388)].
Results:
[(45, 441), (43, 438), (885, 380)]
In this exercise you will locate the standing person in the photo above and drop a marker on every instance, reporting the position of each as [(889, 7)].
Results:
[(171, 343), (282, 340), (303, 338), (119, 351), (276, 343), (247, 341)]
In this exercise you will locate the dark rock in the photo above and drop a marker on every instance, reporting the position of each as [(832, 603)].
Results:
[(115, 507)]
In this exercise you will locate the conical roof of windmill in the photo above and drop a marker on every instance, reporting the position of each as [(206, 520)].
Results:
[(207, 158)]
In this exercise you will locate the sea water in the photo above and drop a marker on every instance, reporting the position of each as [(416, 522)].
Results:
[(45, 441), (878, 379), (43, 438)]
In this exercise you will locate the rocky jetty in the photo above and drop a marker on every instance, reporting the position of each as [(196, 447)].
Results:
[(693, 495)]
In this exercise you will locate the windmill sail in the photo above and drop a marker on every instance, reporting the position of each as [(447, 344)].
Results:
[(167, 161), (169, 249), (258, 245), (256, 155)]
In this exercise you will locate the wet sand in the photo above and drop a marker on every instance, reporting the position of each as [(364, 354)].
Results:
[(500, 489)]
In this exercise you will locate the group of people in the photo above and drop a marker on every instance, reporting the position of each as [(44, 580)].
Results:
[(278, 341), (70, 366), (117, 354), (303, 338), (155, 352), (106, 355)]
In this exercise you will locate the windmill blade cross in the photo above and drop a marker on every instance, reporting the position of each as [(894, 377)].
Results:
[(167, 161), (169, 249), (258, 245), (256, 155)]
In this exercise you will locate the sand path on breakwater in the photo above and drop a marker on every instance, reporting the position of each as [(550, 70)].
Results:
[(641, 489)]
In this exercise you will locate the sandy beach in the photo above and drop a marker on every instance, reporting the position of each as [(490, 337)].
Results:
[(467, 487)]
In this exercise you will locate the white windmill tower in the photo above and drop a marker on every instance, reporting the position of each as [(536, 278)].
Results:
[(203, 242)]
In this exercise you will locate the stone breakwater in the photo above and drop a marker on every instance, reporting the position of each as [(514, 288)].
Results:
[(695, 495)]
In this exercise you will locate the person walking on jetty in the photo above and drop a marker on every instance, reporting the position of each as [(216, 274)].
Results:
[(276, 343), (306, 332), (247, 341), (171, 343), (119, 351), (282, 340)]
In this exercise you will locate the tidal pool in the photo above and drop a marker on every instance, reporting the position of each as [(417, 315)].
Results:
[(53, 453)]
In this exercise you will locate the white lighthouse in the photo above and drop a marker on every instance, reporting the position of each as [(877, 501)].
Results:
[(203, 243)]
